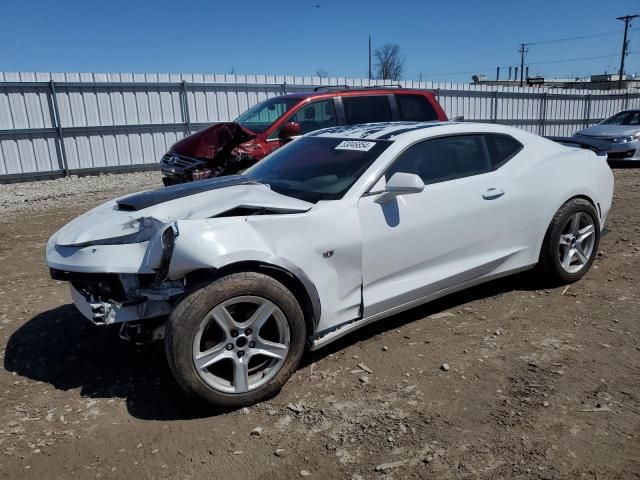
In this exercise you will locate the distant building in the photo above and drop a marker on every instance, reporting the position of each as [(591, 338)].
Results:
[(606, 81)]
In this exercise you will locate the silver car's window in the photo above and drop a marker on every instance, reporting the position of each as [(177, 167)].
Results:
[(624, 118)]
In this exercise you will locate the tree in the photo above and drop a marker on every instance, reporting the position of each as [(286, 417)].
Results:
[(322, 73), (389, 63)]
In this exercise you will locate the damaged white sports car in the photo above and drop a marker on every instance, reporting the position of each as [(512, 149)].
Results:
[(338, 229)]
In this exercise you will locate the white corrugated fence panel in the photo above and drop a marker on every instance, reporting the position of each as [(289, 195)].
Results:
[(112, 125)]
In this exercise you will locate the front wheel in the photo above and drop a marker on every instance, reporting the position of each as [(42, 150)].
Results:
[(571, 242), (237, 340)]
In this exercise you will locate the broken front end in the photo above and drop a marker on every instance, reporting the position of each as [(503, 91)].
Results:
[(222, 149), (137, 300)]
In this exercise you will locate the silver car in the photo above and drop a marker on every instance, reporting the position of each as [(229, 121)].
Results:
[(618, 136)]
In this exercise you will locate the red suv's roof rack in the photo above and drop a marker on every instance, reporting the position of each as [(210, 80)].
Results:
[(390, 85), (332, 88), (342, 88)]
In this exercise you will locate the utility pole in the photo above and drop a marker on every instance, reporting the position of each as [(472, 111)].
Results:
[(523, 50), (625, 43), (369, 57)]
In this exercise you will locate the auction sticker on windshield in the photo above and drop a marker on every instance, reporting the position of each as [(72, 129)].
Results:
[(355, 145)]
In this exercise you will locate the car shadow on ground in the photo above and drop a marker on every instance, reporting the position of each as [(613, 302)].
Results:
[(63, 349), (527, 281), (621, 165)]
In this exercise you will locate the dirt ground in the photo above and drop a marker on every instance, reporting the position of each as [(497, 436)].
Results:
[(542, 382)]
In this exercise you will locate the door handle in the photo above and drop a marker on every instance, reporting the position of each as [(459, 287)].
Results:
[(492, 193)]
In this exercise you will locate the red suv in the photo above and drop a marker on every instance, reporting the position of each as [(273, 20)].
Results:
[(229, 147)]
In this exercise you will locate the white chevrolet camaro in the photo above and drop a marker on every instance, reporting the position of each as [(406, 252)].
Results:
[(340, 228)]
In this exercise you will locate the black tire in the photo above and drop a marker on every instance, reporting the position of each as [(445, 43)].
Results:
[(185, 320), (550, 262)]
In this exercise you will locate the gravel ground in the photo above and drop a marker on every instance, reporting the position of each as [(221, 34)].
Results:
[(17, 197), (539, 382)]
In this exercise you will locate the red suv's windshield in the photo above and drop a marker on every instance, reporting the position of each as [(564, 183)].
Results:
[(260, 117)]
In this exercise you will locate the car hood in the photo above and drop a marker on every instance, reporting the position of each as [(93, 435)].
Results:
[(610, 130), (135, 217), (212, 141)]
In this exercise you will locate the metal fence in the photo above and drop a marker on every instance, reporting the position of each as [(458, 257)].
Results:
[(60, 124)]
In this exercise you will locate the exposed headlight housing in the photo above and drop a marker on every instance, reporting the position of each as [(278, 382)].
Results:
[(168, 242), (145, 229)]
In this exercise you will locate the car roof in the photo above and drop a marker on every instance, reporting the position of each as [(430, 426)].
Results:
[(393, 131), (331, 91), (377, 131)]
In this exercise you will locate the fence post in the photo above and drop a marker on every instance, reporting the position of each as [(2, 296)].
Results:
[(494, 107), (587, 110), (284, 87), (185, 107), (626, 100), (543, 113), (58, 126)]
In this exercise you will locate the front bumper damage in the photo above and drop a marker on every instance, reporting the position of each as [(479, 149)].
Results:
[(110, 312), (110, 299), (127, 262)]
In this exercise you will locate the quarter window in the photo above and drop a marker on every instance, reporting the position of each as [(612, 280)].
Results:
[(415, 108), (502, 148), (443, 159), (366, 109)]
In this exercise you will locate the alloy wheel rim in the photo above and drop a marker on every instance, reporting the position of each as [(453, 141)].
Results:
[(241, 344), (577, 242)]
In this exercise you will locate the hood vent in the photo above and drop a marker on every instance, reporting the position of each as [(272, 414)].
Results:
[(250, 210), (140, 201)]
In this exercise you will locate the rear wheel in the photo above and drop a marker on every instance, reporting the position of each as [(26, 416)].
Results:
[(571, 242), (237, 340)]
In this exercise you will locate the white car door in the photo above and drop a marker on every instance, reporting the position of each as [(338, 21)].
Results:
[(453, 231)]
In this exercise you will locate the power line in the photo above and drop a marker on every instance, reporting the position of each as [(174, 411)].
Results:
[(570, 60), (580, 37), (546, 62)]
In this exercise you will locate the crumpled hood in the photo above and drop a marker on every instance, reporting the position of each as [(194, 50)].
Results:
[(610, 130), (109, 221), (210, 142)]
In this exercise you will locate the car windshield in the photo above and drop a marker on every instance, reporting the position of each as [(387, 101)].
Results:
[(259, 117), (624, 118), (317, 168)]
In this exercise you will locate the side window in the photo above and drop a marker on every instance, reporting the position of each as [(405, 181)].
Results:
[(502, 148), (366, 109), (443, 159), (415, 108), (315, 115), (633, 119)]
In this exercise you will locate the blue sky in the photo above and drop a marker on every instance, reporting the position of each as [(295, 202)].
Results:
[(444, 40)]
